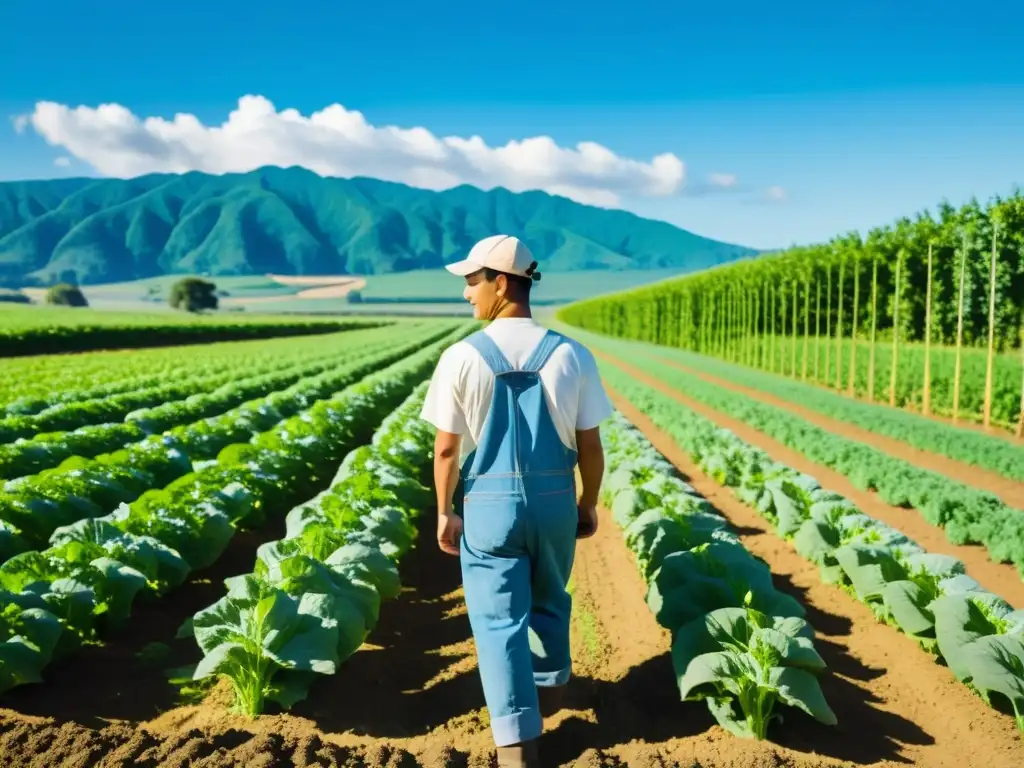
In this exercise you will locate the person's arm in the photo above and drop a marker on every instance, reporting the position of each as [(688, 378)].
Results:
[(442, 409), (446, 468), (446, 478), (594, 408), (591, 464)]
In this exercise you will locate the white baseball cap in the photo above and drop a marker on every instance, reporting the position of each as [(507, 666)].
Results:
[(502, 253)]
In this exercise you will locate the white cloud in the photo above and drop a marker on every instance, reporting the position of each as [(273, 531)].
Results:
[(21, 122), (775, 194), (62, 162), (722, 179), (336, 141)]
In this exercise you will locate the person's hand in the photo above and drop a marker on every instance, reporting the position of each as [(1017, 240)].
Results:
[(587, 525), (449, 531)]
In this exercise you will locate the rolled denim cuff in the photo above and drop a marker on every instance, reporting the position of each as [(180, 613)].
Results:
[(517, 728), (552, 679)]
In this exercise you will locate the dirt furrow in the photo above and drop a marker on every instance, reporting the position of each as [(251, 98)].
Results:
[(893, 703), (1010, 491), (1002, 579), (625, 707)]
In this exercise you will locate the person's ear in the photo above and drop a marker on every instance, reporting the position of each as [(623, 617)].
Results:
[(502, 284)]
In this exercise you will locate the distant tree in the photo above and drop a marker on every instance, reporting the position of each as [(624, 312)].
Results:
[(67, 295), (354, 297), (193, 294)]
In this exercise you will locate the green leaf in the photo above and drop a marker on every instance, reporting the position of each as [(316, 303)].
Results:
[(959, 621), (366, 563), (997, 666), (908, 604), (869, 569), (798, 688)]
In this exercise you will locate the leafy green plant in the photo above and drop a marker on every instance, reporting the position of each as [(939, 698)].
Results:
[(256, 630), (314, 595), (741, 658), (738, 644)]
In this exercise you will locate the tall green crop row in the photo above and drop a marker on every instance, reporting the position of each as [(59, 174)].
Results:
[(852, 311)]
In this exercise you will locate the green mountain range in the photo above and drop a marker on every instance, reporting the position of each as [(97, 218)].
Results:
[(292, 221)]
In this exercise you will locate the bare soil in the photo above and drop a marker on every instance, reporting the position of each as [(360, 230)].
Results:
[(321, 288), (1000, 578), (336, 291), (311, 280), (1010, 491), (411, 696)]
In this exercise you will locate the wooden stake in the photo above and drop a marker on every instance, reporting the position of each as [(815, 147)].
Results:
[(807, 324), (764, 334), (853, 329), (874, 308), (959, 330), (926, 398), (895, 330), (792, 325), (1020, 417), (839, 328), (828, 324), (817, 329), (991, 330)]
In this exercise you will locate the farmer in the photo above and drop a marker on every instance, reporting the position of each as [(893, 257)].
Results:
[(516, 407)]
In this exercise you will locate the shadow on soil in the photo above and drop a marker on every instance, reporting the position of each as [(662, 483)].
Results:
[(641, 706), (124, 679)]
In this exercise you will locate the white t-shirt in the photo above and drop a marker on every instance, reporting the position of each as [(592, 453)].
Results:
[(459, 395)]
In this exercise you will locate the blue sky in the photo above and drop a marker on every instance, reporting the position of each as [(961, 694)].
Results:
[(861, 112)]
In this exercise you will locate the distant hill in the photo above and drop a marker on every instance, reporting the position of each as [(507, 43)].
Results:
[(291, 221)]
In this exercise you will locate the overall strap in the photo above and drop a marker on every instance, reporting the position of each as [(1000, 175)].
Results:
[(489, 351), (539, 357)]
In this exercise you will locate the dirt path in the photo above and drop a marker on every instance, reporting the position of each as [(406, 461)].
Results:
[(892, 702), (1010, 491), (999, 578)]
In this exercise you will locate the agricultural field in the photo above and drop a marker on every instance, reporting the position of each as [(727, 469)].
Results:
[(416, 292), (31, 330), (222, 553), (926, 314)]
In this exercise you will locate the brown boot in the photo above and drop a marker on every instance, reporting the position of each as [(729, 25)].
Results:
[(524, 755), (550, 698)]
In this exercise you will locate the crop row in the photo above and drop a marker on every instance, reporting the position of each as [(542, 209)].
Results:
[(32, 507), (86, 581), (737, 642), (314, 596), (69, 415), (192, 401), (929, 597), (34, 331), (967, 515), (979, 449), (39, 383)]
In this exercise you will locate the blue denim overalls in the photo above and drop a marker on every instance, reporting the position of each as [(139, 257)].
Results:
[(518, 544)]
